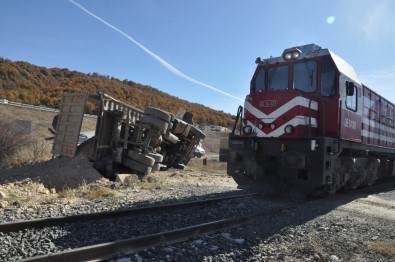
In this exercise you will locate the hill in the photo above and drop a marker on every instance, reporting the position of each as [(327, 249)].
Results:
[(27, 83)]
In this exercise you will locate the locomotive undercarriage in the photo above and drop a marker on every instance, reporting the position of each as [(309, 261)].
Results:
[(304, 167)]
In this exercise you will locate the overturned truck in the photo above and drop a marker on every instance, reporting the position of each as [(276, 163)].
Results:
[(126, 138)]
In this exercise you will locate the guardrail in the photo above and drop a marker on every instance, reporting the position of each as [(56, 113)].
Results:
[(48, 109)]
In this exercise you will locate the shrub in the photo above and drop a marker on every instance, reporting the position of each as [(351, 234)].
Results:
[(12, 139)]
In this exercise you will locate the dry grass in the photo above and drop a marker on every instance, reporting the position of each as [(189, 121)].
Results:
[(41, 120), (37, 150), (385, 247), (17, 201), (67, 194), (153, 183), (88, 192), (12, 139), (100, 192), (211, 166), (312, 246)]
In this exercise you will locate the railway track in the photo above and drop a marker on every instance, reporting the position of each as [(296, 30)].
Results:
[(56, 221), (76, 225), (123, 247)]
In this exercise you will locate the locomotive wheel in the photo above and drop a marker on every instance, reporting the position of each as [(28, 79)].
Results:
[(158, 157), (163, 115), (137, 166), (144, 159), (371, 171), (197, 132), (155, 122)]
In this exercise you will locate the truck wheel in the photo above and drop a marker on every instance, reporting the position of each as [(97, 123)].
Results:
[(144, 159), (137, 166), (158, 157), (156, 167), (197, 132), (165, 116), (155, 122), (171, 138), (181, 128)]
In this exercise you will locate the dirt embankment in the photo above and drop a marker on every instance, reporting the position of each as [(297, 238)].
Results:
[(59, 173)]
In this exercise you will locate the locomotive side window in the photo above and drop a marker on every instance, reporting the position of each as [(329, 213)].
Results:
[(328, 75), (351, 100), (260, 81), (305, 76), (278, 78)]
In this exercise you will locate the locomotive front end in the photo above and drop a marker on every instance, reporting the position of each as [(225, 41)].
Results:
[(284, 142)]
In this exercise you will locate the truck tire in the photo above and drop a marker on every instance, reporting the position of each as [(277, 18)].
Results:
[(181, 128), (155, 122), (197, 132), (141, 158), (158, 157), (163, 115), (171, 138), (156, 167), (172, 117), (137, 166)]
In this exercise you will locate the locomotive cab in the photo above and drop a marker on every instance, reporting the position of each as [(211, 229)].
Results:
[(302, 125)]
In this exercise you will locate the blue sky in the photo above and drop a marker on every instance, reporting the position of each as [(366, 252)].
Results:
[(201, 51)]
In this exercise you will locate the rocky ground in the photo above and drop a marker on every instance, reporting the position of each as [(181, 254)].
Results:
[(341, 228)]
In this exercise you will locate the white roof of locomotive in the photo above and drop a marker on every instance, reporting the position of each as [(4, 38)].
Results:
[(345, 67), (312, 50)]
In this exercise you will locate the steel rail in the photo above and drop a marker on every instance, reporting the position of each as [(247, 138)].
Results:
[(53, 221), (124, 247)]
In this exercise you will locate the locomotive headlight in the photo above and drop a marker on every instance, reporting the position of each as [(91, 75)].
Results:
[(290, 54), (287, 56), (272, 126), (289, 129), (247, 130), (295, 55)]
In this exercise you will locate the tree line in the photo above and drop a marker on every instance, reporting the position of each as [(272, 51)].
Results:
[(30, 84)]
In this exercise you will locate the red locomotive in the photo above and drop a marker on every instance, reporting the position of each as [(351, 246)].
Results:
[(309, 124)]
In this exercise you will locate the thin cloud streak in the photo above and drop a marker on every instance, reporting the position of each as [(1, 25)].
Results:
[(153, 55)]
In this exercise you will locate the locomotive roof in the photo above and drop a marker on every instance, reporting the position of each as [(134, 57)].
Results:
[(313, 50), (344, 67)]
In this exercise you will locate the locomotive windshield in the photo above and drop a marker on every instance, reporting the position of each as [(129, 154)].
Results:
[(277, 78), (260, 84), (304, 77)]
